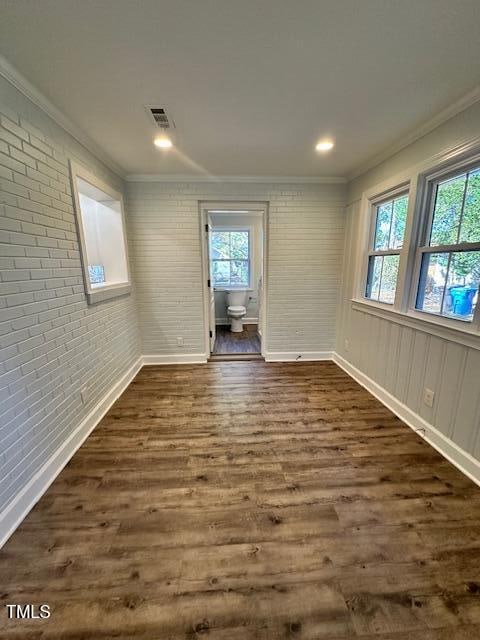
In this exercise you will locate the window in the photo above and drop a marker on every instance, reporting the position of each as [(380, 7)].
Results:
[(230, 257), (101, 231), (96, 273), (422, 246), (449, 258), (388, 233)]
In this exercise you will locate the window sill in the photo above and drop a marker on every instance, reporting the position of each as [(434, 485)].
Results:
[(465, 335), (99, 294)]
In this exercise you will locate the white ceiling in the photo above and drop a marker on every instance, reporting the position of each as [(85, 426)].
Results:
[(251, 84)]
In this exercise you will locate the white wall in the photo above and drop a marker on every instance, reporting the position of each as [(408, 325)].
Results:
[(305, 237), (52, 343), (401, 358), (110, 228), (90, 230), (456, 131), (256, 239)]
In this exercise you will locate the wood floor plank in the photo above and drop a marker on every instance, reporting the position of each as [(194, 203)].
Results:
[(246, 341), (249, 500)]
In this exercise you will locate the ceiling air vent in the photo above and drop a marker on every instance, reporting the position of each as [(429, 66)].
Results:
[(160, 117)]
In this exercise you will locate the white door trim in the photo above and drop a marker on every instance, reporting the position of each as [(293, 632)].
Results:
[(235, 206)]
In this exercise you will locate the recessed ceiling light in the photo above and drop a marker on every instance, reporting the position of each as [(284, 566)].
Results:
[(324, 145), (163, 142)]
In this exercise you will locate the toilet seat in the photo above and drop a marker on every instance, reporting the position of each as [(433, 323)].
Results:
[(236, 311)]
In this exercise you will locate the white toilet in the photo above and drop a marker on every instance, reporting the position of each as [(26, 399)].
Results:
[(236, 308)]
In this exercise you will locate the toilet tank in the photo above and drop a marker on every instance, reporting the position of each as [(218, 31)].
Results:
[(237, 298)]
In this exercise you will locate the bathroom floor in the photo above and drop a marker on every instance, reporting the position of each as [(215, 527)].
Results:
[(248, 341)]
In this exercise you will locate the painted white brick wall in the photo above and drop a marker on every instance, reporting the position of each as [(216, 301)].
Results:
[(306, 230), (52, 344)]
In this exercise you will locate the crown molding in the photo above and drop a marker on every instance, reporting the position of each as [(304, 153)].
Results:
[(165, 177), (17, 80), (463, 103)]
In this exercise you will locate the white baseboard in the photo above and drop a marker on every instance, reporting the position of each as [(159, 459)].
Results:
[(227, 321), (297, 356), (177, 358), (466, 463), (27, 498)]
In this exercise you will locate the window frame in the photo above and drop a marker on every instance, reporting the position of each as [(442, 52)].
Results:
[(373, 205), (232, 228), (425, 215), (108, 291), (417, 176)]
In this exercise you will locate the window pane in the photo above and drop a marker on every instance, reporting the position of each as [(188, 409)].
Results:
[(239, 244), (399, 221), (382, 225), (470, 228), (432, 282), (447, 211), (449, 283), (374, 275), (382, 278), (462, 285), (390, 224), (96, 273), (220, 244), (221, 273), (239, 273), (388, 283)]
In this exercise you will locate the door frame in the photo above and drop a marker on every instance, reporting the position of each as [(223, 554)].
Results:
[(206, 207)]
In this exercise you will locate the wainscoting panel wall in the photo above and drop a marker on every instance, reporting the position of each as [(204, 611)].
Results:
[(405, 358), (306, 227), (404, 361)]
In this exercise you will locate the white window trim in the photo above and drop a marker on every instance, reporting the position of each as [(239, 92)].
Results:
[(373, 204), (250, 229), (428, 182), (370, 200), (97, 294), (461, 335), (414, 180)]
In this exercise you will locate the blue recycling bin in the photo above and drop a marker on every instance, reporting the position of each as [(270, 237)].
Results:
[(462, 299)]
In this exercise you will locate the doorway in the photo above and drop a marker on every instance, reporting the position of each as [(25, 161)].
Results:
[(234, 268)]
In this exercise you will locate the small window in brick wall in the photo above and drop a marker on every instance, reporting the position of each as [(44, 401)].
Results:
[(101, 230)]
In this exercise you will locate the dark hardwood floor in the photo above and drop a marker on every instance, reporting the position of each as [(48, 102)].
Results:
[(249, 500), (246, 341)]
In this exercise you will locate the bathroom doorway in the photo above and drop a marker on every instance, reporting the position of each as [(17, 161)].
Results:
[(234, 251)]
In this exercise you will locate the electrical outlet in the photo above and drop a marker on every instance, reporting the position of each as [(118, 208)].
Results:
[(428, 397), (347, 345), (180, 341), (84, 395)]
